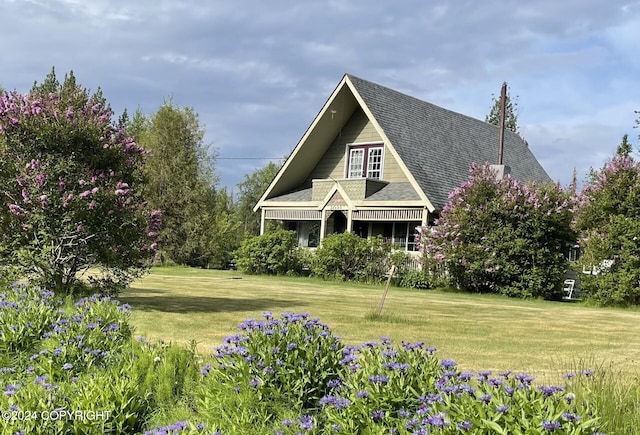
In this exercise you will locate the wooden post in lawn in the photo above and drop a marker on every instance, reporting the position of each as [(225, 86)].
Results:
[(386, 290)]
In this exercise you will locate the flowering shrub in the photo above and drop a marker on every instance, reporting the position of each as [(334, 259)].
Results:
[(608, 217), (373, 388), (25, 314), (68, 357), (70, 189), (293, 356), (407, 390), (503, 236)]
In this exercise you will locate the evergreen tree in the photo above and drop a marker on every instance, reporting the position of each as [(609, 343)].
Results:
[(511, 112), (625, 148)]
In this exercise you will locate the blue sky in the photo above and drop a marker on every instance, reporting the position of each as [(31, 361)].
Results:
[(258, 72)]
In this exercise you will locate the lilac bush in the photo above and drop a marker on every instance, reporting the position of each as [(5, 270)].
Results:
[(70, 198), (503, 236), (608, 218)]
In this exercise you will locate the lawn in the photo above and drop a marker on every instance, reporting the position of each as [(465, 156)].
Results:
[(480, 332)]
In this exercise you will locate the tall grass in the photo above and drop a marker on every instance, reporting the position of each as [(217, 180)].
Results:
[(615, 392)]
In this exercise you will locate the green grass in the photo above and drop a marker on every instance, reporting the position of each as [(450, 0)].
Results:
[(480, 332)]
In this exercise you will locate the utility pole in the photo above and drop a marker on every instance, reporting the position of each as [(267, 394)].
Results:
[(503, 101)]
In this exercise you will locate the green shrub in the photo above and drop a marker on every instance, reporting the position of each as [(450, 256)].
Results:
[(618, 283), (349, 257), (273, 253)]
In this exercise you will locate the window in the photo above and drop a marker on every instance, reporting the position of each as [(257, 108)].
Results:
[(365, 161), (356, 162)]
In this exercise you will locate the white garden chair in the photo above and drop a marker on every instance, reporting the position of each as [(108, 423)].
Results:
[(568, 289)]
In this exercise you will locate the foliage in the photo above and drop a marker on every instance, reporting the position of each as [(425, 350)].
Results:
[(608, 218), (273, 253), (278, 375), (349, 257), (409, 389), (372, 388), (292, 358), (71, 189), (511, 112), (71, 367), (503, 236), (197, 228), (429, 275), (249, 192)]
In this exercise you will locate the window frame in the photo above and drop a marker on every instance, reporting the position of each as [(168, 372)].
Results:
[(366, 160)]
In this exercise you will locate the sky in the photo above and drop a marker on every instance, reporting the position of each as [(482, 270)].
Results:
[(257, 73)]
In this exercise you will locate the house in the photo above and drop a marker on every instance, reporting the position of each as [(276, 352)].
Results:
[(378, 162)]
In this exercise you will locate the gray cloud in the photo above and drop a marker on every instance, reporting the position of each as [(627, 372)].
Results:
[(257, 73)]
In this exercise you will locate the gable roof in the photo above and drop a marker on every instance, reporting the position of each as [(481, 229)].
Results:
[(438, 145), (434, 145)]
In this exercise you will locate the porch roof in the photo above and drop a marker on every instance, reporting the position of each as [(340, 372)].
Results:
[(392, 192)]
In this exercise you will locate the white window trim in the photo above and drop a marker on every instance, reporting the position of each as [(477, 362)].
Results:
[(367, 146)]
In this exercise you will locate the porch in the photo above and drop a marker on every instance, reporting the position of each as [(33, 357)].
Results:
[(310, 231)]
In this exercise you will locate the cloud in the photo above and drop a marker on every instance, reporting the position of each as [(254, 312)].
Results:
[(257, 73)]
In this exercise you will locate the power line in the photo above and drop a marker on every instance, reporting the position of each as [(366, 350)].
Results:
[(248, 158)]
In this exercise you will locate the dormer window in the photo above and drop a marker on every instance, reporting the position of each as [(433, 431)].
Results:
[(365, 161)]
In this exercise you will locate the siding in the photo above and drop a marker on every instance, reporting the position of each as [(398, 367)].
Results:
[(357, 130)]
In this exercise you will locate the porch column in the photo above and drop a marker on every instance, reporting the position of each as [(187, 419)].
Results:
[(323, 224), (349, 221), (261, 221), (425, 218)]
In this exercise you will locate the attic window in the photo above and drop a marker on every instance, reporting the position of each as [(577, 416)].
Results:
[(365, 161)]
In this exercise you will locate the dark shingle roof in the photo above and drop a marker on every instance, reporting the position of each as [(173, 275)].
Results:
[(395, 192), (298, 195), (438, 145)]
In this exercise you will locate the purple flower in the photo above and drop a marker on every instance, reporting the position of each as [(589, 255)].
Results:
[(16, 210), (338, 402), (333, 383), (550, 425), (447, 363), (377, 415), (255, 382), (465, 425), (502, 409), (570, 417), (306, 422), (362, 394), (438, 420), (204, 371), (379, 379), (67, 366)]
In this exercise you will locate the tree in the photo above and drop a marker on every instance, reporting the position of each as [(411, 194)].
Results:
[(71, 190), (182, 183), (503, 236), (251, 189), (511, 112), (625, 148), (608, 219)]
